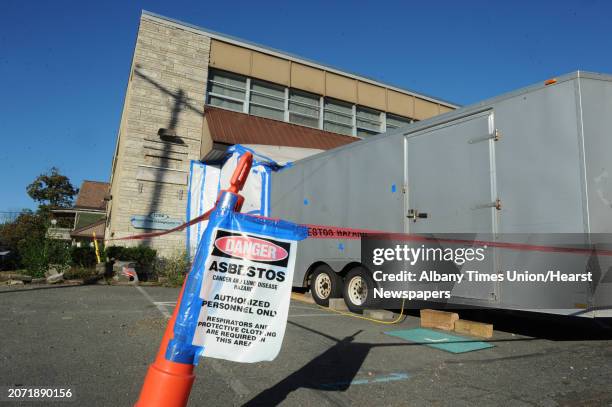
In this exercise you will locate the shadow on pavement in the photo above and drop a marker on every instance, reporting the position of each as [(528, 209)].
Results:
[(333, 370), (338, 364)]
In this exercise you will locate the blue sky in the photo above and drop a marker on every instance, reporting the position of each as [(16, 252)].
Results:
[(64, 64)]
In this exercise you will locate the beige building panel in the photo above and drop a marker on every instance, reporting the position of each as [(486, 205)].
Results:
[(340, 87), (371, 96), (424, 109), (306, 78), (400, 103), (445, 109), (270, 68), (230, 57)]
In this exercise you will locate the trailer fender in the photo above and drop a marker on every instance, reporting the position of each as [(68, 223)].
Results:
[(345, 270)]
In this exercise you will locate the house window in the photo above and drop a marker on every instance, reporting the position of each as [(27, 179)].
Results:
[(395, 121), (369, 122), (338, 117), (227, 90), (267, 100), (304, 108)]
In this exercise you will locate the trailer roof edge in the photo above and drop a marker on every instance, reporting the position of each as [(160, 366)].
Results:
[(466, 111)]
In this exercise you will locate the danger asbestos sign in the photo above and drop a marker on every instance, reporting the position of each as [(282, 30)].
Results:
[(245, 296)]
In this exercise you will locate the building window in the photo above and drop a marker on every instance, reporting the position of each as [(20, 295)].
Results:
[(243, 94), (304, 108), (395, 121), (338, 117), (369, 122), (227, 90), (267, 100)]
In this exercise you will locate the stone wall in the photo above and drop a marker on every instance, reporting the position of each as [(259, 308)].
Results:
[(166, 90)]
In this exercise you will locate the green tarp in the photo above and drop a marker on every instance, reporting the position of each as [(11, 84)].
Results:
[(440, 340)]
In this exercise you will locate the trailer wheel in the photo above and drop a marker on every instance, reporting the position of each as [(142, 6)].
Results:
[(358, 290), (325, 284)]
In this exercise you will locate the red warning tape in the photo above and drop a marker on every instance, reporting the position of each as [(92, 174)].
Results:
[(193, 221), (333, 232), (327, 232)]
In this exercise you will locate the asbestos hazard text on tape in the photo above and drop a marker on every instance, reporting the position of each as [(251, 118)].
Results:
[(245, 296)]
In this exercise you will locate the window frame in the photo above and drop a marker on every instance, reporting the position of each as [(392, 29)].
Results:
[(210, 94), (379, 124), (353, 123), (399, 118), (316, 106), (266, 95)]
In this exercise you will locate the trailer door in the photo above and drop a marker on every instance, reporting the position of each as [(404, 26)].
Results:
[(451, 186)]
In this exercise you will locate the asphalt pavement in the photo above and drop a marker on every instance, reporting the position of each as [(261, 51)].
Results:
[(99, 340)]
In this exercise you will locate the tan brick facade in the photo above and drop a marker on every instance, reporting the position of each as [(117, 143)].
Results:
[(166, 90)]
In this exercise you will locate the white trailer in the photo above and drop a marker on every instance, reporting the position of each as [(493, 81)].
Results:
[(534, 161)]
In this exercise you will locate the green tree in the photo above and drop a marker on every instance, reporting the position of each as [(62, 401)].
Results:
[(27, 227), (52, 189), (26, 238)]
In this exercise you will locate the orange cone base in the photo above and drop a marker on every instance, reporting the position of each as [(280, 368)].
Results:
[(167, 384)]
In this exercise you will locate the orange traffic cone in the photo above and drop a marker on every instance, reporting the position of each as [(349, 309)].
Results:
[(168, 383)]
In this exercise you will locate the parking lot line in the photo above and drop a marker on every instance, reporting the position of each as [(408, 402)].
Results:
[(235, 384), (301, 307), (161, 308)]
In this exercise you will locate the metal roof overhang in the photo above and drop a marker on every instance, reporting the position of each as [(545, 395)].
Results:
[(227, 127)]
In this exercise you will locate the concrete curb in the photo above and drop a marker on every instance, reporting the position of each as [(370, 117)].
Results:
[(303, 298)]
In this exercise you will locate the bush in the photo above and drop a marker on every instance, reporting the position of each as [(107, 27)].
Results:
[(38, 254), (114, 252), (32, 259), (144, 256), (83, 256), (173, 268)]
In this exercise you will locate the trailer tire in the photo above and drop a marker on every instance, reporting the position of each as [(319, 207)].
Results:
[(358, 290), (325, 284)]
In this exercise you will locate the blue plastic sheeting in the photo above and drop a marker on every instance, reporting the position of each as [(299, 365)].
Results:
[(440, 340), (205, 183), (180, 348)]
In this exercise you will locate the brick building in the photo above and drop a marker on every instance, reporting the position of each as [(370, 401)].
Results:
[(192, 92)]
